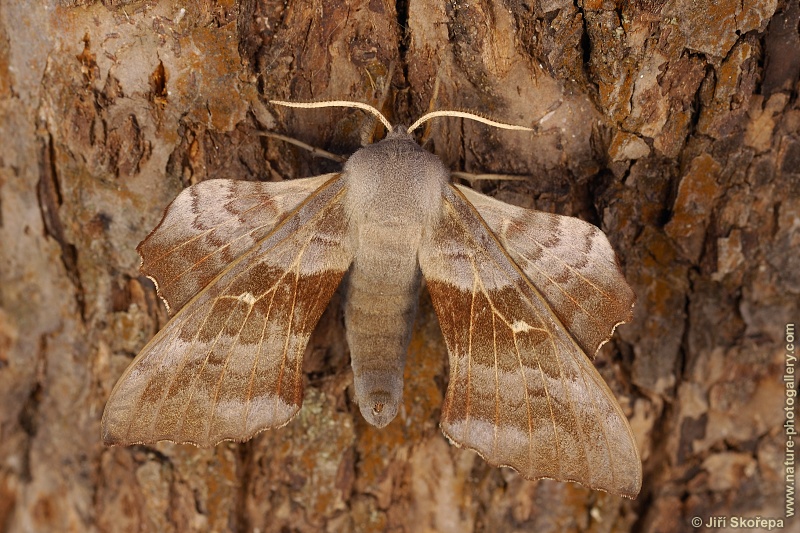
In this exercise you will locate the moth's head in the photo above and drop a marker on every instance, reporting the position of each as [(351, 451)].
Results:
[(399, 133), (396, 148), (394, 179)]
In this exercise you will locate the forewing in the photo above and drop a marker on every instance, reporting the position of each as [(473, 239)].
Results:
[(522, 392), (229, 364), (569, 261), (210, 225)]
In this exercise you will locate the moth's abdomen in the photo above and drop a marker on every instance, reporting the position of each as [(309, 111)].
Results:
[(380, 306)]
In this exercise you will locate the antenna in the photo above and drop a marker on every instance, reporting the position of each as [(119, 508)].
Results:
[(424, 118), (464, 114), (337, 103)]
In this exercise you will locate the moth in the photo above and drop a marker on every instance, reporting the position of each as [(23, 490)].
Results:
[(524, 300)]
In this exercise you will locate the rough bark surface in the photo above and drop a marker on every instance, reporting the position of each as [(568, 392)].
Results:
[(675, 128)]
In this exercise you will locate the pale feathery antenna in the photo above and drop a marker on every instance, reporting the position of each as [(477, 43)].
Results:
[(433, 114), (337, 103), (424, 118), (464, 114)]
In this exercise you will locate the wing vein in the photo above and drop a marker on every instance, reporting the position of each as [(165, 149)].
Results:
[(605, 435), (218, 386), (290, 319), (469, 348), (256, 361), (594, 317), (496, 383), (184, 360), (214, 252), (193, 383), (210, 229), (527, 398)]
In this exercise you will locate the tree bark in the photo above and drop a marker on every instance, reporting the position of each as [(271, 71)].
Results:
[(674, 128)]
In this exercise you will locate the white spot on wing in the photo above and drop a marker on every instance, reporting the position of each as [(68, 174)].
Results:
[(520, 326), (247, 297)]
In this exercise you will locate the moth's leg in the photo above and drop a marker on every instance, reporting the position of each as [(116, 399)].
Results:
[(472, 178), (316, 152)]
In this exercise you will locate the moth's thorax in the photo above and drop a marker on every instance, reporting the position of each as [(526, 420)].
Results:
[(394, 182)]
